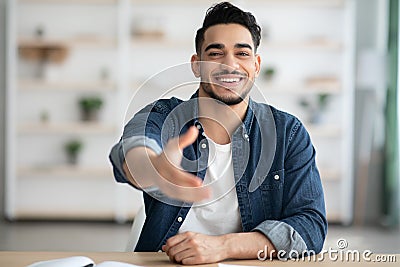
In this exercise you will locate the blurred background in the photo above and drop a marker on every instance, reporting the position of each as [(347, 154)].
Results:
[(69, 70)]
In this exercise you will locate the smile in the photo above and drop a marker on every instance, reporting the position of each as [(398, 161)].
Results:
[(229, 81)]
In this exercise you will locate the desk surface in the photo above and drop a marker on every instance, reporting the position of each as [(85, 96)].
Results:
[(22, 259)]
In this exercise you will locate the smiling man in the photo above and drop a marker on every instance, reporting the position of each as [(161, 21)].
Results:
[(223, 176)]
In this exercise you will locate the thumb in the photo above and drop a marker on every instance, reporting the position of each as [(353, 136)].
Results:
[(188, 138)]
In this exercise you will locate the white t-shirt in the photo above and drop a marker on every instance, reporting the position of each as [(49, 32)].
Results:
[(220, 215)]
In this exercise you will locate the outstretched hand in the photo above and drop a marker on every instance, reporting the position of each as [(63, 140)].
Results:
[(165, 171)]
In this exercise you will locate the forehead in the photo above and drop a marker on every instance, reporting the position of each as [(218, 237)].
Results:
[(228, 35)]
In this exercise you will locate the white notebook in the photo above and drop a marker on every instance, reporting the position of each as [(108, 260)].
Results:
[(79, 261)]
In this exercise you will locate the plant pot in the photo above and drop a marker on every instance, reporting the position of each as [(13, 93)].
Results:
[(72, 159), (89, 115), (316, 118)]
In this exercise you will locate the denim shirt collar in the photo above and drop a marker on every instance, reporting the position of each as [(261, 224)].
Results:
[(248, 119)]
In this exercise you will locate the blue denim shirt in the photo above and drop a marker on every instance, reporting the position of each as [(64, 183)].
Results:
[(278, 187)]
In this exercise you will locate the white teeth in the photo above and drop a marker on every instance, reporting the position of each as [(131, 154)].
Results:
[(229, 80)]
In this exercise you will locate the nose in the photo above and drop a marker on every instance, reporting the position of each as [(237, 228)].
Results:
[(229, 62)]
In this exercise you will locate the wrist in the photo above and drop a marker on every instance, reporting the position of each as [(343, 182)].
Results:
[(230, 244), (245, 245), (140, 162)]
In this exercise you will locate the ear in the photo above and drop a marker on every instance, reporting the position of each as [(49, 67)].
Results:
[(257, 64), (195, 65)]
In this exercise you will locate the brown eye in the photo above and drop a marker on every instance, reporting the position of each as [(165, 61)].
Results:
[(243, 54), (214, 54)]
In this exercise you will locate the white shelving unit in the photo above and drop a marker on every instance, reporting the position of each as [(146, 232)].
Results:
[(309, 43), (40, 182), (40, 85)]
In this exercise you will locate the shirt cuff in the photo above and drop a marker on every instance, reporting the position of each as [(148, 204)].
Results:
[(284, 238), (137, 141), (118, 152)]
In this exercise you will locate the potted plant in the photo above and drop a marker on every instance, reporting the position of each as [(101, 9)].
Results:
[(269, 73), (316, 108), (90, 107), (72, 149), (44, 116)]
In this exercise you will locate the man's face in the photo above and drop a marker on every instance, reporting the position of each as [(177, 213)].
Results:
[(227, 64)]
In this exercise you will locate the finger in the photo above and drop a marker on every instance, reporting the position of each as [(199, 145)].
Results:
[(164, 248), (172, 241), (191, 260), (184, 255), (188, 138), (173, 151), (179, 248), (168, 172)]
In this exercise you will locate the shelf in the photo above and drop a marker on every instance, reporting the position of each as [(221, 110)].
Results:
[(324, 130), (329, 174), (274, 88), (334, 217), (56, 214), (306, 3), (81, 2), (66, 128), (205, 3), (29, 85), (73, 42), (144, 42), (317, 44), (65, 171)]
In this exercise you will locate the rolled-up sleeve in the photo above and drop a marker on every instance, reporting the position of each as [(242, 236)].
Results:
[(143, 130), (282, 236), (118, 153)]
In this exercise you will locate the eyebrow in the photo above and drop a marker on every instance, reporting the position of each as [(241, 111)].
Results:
[(243, 45), (216, 46), (221, 46)]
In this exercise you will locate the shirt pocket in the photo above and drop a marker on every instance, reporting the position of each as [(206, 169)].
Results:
[(271, 194), (273, 181)]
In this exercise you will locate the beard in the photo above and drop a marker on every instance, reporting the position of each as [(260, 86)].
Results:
[(230, 100)]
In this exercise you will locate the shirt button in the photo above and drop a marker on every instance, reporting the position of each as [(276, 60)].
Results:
[(159, 250), (204, 145), (180, 219), (198, 126), (276, 177)]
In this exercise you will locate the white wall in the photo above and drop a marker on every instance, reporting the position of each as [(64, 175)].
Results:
[(2, 100)]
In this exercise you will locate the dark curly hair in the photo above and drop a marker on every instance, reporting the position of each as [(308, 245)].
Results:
[(225, 13)]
